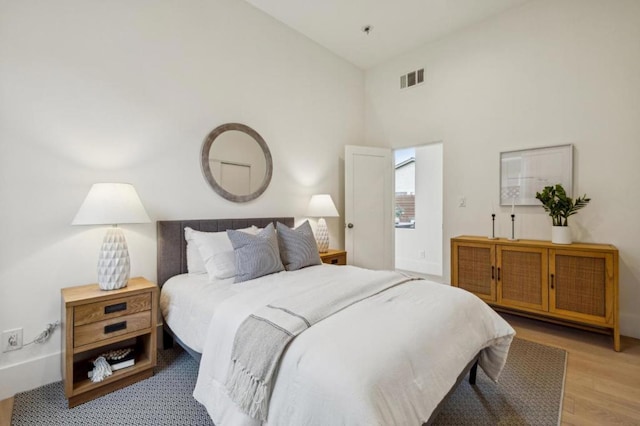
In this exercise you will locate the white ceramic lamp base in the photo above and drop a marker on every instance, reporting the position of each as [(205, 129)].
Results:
[(113, 262), (322, 236)]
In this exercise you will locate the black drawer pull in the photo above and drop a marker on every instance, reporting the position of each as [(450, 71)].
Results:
[(498, 274), (334, 261), (115, 308), (493, 275), (115, 327)]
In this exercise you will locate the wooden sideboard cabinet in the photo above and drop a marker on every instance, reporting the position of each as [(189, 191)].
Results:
[(575, 284)]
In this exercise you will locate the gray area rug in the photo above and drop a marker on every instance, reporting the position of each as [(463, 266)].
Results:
[(164, 399), (529, 393)]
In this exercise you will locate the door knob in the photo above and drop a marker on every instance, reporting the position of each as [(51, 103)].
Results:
[(349, 225)]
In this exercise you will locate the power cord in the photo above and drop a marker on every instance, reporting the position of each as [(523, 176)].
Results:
[(44, 336)]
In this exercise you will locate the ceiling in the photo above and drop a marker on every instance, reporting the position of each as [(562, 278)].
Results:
[(398, 26)]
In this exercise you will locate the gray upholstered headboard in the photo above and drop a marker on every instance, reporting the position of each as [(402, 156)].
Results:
[(172, 247)]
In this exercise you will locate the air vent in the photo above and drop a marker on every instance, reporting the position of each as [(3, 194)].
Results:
[(412, 78)]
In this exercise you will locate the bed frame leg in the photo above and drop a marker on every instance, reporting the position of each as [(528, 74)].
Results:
[(472, 373), (167, 339)]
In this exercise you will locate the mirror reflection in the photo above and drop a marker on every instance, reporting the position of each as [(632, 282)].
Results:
[(236, 162)]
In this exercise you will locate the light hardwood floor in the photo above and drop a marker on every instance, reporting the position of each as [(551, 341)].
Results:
[(602, 387), (6, 408)]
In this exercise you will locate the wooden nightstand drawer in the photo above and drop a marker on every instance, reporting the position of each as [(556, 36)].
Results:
[(334, 257), (97, 331), (108, 309)]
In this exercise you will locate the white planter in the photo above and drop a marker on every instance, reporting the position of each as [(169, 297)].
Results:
[(560, 235)]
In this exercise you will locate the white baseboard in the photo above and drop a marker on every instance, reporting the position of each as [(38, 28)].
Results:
[(419, 266), (30, 374)]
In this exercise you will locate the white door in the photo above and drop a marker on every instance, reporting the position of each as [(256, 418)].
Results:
[(368, 209)]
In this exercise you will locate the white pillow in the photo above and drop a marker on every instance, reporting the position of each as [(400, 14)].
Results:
[(195, 265), (212, 253)]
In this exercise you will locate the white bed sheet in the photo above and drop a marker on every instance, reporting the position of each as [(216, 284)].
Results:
[(374, 363), (187, 303)]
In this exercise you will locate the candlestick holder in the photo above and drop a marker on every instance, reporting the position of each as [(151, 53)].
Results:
[(493, 227), (513, 221)]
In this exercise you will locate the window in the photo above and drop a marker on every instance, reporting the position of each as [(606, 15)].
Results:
[(405, 194)]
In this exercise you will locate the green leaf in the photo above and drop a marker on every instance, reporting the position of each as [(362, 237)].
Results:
[(558, 205)]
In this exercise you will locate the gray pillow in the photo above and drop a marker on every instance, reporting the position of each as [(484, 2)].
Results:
[(256, 255), (298, 246)]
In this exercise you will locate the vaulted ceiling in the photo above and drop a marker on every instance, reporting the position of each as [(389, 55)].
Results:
[(396, 26)]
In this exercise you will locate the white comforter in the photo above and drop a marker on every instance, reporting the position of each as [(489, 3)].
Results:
[(187, 303), (388, 360)]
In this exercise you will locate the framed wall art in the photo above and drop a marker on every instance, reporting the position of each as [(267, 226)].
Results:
[(527, 171)]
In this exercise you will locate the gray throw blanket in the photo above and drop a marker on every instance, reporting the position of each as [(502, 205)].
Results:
[(262, 337)]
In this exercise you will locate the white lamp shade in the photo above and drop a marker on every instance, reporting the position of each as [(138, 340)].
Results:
[(321, 205), (111, 204)]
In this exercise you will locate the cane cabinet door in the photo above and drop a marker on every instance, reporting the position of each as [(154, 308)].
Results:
[(474, 269), (582, 285), (522, 277)]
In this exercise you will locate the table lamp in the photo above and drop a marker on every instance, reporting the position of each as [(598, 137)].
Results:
[(321, 205), (112, 204)]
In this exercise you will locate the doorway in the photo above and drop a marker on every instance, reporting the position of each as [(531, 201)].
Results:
[(418, 209)]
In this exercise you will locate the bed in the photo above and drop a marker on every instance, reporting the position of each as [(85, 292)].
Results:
[(391, 358)]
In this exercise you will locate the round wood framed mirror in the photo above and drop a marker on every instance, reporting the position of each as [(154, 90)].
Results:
[(236, 162)]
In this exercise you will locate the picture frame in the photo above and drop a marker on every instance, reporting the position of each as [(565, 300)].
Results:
[(527, 171)]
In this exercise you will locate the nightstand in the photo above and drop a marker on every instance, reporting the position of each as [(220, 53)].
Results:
[(334, 257), (96, 321)]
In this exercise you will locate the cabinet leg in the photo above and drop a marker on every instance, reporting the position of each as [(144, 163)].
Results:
[(616, 339), (472, 373)]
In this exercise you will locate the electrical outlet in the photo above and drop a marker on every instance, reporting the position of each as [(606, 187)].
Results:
[(11, 340), (423, 254)]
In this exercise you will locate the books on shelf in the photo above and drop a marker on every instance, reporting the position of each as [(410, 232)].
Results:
[(117, 359)]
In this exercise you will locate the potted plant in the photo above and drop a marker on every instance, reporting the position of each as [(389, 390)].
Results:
[(555, 201)]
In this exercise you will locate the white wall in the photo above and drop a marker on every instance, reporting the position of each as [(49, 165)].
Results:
[(550, 72), (126, 91), (406, 178), (420, 249)]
